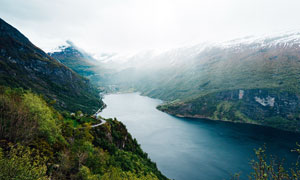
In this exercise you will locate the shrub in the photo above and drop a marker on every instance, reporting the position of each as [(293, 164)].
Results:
[(22, 163), (48, 125)]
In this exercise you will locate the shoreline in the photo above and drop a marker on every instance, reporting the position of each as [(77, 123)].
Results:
[(226, 121), (100, 110), (198, 117)]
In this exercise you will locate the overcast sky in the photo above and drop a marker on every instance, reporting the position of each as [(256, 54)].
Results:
[(133, 25)]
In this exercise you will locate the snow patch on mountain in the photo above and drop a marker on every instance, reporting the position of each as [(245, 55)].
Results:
[(175, 56), (287, 39), (60, 48)]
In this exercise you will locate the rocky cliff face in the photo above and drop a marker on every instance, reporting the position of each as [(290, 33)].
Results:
[(24, 65), (269, 107)]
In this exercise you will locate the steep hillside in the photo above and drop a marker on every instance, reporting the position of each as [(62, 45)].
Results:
[(22, 64), (253, 80), (37, 142), (82, 63)]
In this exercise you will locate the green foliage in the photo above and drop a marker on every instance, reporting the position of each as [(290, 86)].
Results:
[(85, 174), (22, 163), (118, 174), (16, 123), (78, 118), (264, 170), (98, 161), (24, 115), (114, 173), (268, 168), (126, 153), (44, 115), (224, 109), (227, 106), (54, 146)]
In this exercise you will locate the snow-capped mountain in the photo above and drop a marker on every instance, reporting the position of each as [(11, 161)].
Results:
[(287, 39), (173, 57), (69, 49)]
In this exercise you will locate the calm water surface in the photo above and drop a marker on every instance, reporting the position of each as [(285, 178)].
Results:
[(188, 149)]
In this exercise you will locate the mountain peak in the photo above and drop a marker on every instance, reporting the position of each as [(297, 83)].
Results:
[(70, 50)]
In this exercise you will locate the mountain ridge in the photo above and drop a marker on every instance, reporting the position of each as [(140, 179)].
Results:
[(24, 65)]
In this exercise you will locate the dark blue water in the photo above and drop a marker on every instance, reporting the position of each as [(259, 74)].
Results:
[(188, 149)]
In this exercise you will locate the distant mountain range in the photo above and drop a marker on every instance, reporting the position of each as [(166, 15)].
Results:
[(22, 64), (252, 80)]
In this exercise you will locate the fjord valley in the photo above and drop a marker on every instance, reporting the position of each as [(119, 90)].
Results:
[(149, 90), (246, 81), (251, 80), (193, 149), (47, 121)]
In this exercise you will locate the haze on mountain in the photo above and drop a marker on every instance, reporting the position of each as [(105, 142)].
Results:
[(133, 25)]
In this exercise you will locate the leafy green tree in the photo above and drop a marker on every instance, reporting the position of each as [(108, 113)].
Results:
[(265, 170), (22, 163), (48, 124), (85, 174), (16, 123), (268, 168), (118, 174)]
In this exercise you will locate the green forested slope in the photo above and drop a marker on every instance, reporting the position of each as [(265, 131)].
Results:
[(38, 142)]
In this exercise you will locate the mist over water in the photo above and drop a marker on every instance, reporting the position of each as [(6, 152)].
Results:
[(195, 148)]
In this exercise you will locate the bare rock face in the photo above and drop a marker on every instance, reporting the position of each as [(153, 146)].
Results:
[(24, 65), (268, 101)]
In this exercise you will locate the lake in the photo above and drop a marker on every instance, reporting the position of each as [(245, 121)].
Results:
[(189, 149)]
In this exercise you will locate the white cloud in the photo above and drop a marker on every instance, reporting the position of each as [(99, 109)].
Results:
[(132, 25)]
